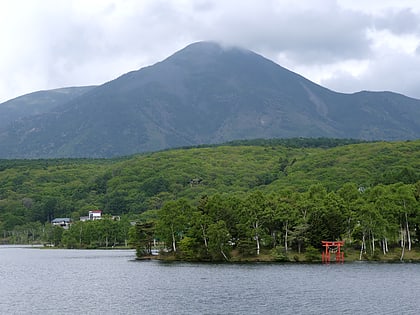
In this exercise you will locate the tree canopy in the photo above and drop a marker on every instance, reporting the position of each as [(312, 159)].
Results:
[(244, 196)]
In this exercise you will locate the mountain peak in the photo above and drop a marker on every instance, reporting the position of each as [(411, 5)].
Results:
[(210, 47), (206, 50), (206, 93)]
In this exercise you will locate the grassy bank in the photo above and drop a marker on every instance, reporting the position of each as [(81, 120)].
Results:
[(350, 254)]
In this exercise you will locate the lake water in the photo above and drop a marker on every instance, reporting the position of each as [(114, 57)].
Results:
[(55, 281)]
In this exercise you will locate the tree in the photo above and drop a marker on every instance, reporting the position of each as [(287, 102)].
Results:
[(326, 221), (253, 216), (294, 209), (350, 195), (405, 210), (142, 238), (218, 240), (174, 221), (52, 234)]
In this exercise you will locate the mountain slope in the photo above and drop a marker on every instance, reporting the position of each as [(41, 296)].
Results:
[(37, 103), (207, 93)]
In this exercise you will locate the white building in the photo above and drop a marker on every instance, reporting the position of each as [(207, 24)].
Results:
[(95, 214)]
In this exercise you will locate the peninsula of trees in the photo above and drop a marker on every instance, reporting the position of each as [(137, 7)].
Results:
[(258, 200)]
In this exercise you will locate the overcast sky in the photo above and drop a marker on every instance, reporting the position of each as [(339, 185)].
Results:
[(345, 45)]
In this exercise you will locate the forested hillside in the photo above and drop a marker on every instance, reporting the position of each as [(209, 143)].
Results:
[(364, 190)]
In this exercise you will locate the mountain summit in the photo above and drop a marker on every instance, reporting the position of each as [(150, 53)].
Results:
[(206, 93)]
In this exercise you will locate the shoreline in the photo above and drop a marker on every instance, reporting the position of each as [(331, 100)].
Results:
[(259, 261), (350, 256)]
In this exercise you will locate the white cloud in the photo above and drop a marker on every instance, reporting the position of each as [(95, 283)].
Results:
[(347, 45)]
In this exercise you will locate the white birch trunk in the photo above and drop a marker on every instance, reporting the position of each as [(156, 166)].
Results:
[(402, 253), (285, 239), (363, 247), (373, 243), (408, 232), (222, 252), (385, 245), (173, 239), (402, 244), (204, 237), (257, 238), (402, 237)]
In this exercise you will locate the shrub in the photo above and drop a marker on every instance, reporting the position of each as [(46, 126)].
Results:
[(312, 254), (279, 254)]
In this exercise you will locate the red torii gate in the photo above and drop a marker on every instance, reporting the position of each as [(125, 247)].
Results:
[(332, 246)]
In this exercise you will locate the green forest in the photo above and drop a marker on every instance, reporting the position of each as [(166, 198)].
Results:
[(244, 200)]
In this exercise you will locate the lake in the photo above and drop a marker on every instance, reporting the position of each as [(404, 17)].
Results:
[(58, 281)]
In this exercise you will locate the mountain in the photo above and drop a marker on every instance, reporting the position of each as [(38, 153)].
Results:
[(206, 93), (37, 103)]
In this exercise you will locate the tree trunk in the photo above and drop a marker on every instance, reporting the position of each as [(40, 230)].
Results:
[(402, 244), (373, 244), (173, 239), (402, 253), (274, 238), (257, 238), (204, 237), (285, 238), (408, 232), (363, 247), (383, 246), (223, 253), (402, 232)]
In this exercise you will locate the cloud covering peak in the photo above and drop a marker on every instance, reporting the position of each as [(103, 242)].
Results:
[(345, 45)]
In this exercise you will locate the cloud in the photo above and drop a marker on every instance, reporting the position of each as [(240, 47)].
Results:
[(383, 74), (49, 44), (317, 32), (399, 22)]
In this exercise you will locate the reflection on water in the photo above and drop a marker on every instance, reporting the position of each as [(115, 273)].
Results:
[(55, 281)]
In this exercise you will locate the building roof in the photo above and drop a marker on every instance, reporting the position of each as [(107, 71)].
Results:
[(59, 220)]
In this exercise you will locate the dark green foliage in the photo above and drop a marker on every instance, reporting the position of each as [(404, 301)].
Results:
[(106, 232), (153, 186), (188, 249), (326, 220), (279, 254), (210, 203), (406, 175), (296, 142), (218, 240), (312, 254), (142, 237), (246, 247)]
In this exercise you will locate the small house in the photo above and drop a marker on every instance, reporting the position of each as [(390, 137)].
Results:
[(63, 222)]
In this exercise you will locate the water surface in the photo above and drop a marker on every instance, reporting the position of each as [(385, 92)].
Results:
[(55, 281)]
